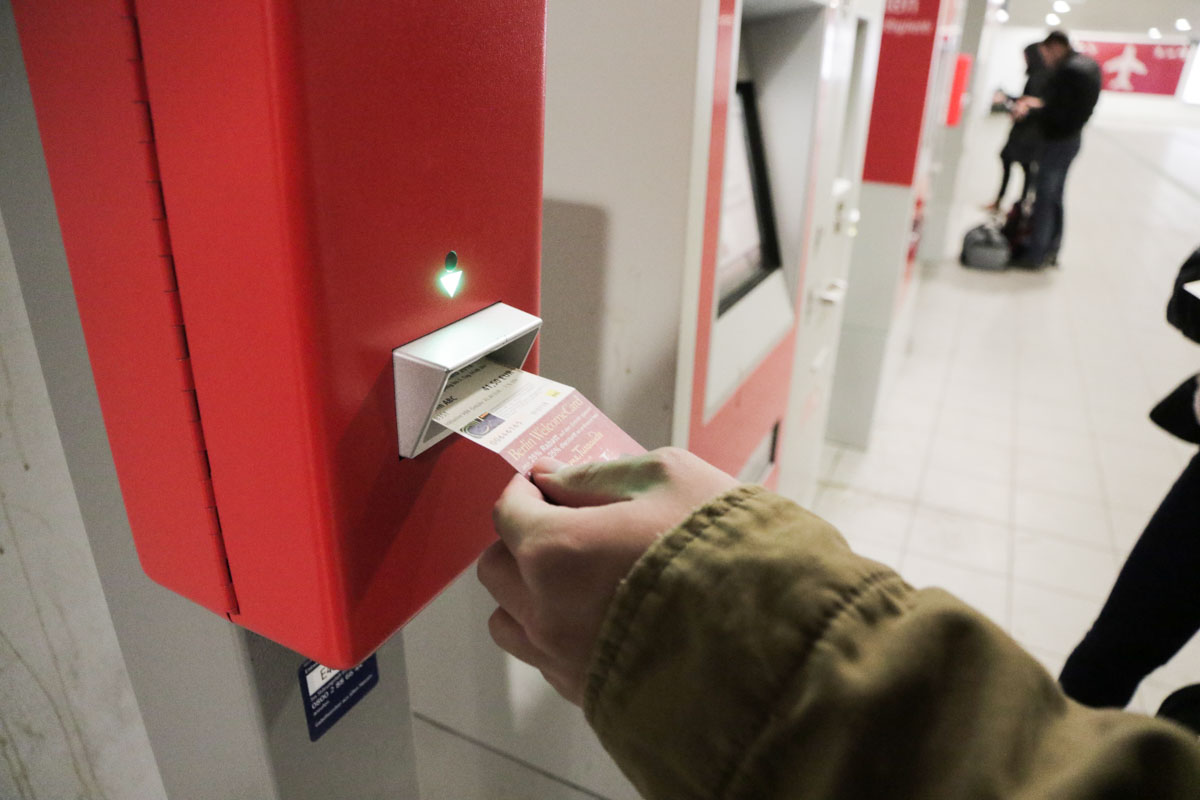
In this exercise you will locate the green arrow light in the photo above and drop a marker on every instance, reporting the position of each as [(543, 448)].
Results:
[(450, 282), (451, 277)]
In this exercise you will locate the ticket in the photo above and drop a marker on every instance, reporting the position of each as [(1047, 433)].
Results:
[(524, 417)]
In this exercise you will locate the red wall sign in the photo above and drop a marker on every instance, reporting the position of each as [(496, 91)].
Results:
[(958, 89), (1144, 68), (905, 60)]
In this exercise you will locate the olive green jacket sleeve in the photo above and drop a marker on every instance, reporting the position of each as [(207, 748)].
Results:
[(751, 654)]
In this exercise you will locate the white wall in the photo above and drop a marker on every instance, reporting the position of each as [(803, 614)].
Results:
[(1189, 84), (628, 104), (69, 723), (1002, 58)]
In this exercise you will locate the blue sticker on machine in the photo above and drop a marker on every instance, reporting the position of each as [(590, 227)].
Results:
[(329, 693)]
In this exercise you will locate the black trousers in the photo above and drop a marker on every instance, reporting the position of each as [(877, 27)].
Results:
[(1007, 165), (1047, 223), (1153, 609)]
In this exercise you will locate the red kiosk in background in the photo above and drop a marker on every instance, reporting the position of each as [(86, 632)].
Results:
[(916, 55)]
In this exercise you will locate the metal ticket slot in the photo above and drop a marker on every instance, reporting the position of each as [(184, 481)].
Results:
[(422, 367)]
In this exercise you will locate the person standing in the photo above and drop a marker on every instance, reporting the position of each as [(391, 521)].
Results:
[(1153, 609), (1025, 138), (1071, 92)]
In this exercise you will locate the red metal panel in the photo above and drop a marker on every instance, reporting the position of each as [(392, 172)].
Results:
[(85, 76), (318, 161), (901, 84), (958, 88), (712, 220)]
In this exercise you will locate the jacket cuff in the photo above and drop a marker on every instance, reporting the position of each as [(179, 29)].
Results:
[(713, 623)]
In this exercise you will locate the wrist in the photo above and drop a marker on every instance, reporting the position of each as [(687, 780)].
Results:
[(708, 631)]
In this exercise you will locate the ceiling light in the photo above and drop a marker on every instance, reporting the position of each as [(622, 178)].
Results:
[(1155, 33), (1053, 20), (1062, 6), (1182, 24), (1001, 15)]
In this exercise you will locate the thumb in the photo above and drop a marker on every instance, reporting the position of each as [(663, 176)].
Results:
[(596, 483)]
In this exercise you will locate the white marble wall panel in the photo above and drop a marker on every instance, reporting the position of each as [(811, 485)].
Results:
[(69, 724)]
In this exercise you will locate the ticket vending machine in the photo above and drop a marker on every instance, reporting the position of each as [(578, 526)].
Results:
[(848, 69), (259, 202), (916, 53), (681, 206)]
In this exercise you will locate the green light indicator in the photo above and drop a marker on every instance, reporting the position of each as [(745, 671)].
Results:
[(451, 277)]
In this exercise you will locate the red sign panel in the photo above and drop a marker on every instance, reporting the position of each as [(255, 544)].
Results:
[(1144, 68), (958, 90), (905, 60)]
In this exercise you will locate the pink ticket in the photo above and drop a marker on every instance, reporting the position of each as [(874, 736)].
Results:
[(525, 417)]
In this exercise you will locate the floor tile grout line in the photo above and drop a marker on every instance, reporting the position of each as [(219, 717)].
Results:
[(958, 512), (507, 756), (1073, 336), (1090, 415), (1012, 583), (833, 464), (1066, 592), (1060, 538), (1146, 163), (927, 461), (1010, 602), (961, 564)]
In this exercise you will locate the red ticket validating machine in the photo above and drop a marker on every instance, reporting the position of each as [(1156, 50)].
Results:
[(259, 201)]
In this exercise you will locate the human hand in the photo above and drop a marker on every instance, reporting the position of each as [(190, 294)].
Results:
[(568, 539), (1024, 105)]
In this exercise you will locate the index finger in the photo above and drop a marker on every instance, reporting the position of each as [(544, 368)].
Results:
[(521, 511)]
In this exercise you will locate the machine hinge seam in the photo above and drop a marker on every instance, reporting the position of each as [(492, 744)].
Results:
[(171, 287)]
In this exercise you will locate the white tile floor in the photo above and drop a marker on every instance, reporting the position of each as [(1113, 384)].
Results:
[(1013, 461)]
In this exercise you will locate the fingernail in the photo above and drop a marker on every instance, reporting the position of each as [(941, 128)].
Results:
[(547, 466)]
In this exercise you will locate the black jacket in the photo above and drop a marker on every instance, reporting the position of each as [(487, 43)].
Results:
[(1070, 95), (1036, 71), (1183, 309), (1025, 138)]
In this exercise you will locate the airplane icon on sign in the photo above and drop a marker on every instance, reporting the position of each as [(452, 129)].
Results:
[(1123, 66)]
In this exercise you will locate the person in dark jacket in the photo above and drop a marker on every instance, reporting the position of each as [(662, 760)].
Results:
[(1153, 609), (1025, 138), (1071, 91)]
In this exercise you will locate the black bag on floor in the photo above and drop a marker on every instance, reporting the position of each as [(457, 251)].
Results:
[(1017, 229), (985, 247)]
